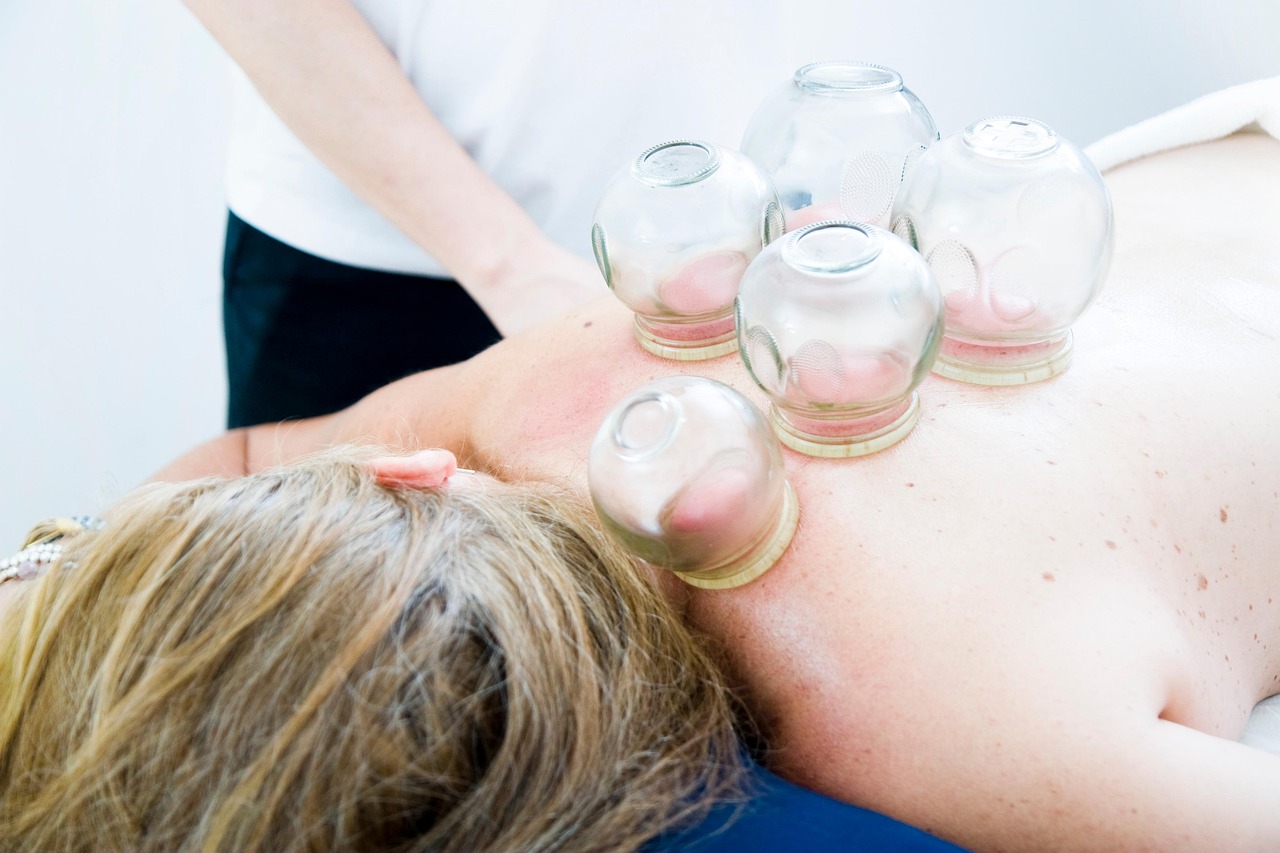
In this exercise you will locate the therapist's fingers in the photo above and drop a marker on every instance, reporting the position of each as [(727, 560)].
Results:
[(426, 469)]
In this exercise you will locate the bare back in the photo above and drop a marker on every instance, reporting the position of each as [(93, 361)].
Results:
[(1032, 624)]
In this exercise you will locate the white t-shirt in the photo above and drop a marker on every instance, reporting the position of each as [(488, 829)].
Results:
[(550, 97)]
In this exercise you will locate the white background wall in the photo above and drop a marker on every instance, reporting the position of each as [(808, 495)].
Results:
[(113, 117)]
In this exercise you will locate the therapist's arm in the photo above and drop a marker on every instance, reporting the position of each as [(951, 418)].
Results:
[(325, 72)]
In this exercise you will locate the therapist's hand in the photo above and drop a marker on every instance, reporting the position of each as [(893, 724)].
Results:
[(333, 82), (539, 283)]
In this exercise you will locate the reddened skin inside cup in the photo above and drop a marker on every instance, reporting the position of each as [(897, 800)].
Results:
[(686, 473)]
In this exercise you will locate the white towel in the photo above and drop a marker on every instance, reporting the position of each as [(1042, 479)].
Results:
[(1249, 107)]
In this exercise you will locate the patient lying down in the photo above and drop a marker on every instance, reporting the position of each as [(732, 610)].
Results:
[(1041, 621)]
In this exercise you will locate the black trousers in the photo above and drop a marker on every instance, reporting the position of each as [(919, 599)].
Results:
[(306, 336)]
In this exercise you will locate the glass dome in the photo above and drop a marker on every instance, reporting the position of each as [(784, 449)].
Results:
[(837, 140), (1016, 224), (673, 233), (838, 323), (686, 473)]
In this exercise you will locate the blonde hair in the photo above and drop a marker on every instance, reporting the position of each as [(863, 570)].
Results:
[(303, 659)]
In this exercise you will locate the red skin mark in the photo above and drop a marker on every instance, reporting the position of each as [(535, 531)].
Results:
[(707, 285), (1176, 548), (1202, 582), (1048, 576), (592, 396), (911, 485), (858, 377), (1111, 545), (1160, 474), (989, 312), (1222, 515), (699, 331), (712, 503)]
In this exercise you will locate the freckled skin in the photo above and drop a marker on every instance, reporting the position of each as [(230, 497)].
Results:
[(999, 653)]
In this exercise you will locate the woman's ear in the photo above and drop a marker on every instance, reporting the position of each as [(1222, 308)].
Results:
[(426, 469)]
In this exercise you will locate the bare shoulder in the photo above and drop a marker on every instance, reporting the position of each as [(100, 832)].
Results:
[(542, 395)]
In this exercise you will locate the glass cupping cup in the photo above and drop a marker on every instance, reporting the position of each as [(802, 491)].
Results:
[(838, 323), (686, 473), (1016, 224), (837, 139), (673, 232)]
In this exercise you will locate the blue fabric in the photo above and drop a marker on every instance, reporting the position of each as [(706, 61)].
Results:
[(784, 817)]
